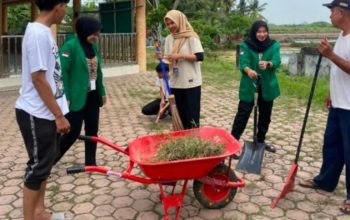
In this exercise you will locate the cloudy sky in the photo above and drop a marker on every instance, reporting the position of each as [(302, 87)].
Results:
[(291, 11), (295, 11)]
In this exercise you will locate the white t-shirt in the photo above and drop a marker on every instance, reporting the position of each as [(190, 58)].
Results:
[(190, 74), (340, 80), (161, 84), (39, 52)]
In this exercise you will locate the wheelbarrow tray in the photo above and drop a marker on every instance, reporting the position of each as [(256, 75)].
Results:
[(142, 150)]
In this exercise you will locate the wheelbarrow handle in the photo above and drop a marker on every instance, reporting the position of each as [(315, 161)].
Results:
[(81, 169), (125, 175), (85, 138), (105, 142), (74, 170)]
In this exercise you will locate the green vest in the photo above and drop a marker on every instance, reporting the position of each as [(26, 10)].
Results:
[(75, 74), (269, 84)]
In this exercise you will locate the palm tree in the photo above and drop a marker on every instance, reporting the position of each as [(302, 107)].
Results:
[(255, 9), (227, 5), (242, 7)]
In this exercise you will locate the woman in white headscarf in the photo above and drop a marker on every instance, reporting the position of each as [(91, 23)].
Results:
[(184, 52)]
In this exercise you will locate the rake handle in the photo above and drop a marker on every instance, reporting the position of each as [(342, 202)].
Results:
[(308, 108), (161, 111)]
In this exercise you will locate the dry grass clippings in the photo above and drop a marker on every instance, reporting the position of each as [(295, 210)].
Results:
[(187, 147)]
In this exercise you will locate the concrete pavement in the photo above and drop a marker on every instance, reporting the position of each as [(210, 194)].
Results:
[(94, 196)]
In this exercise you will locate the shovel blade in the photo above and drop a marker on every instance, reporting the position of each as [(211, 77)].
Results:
[(251, 158), (289, 186)]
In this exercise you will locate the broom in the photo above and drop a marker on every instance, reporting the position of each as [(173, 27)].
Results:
[(175, 117)]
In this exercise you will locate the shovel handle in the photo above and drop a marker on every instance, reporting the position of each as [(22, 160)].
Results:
[(255, 121)]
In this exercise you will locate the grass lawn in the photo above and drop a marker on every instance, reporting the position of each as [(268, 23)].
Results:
[(219, 71)]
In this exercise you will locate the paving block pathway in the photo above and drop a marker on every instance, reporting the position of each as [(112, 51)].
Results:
[(94, 196)]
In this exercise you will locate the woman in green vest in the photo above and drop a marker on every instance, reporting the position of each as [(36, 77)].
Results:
[(259, 56), (83, 85)]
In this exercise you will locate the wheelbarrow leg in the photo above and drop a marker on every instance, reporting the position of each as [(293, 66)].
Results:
[(172, 200)]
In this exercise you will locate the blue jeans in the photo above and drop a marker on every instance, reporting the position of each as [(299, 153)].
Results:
[(336, 151)]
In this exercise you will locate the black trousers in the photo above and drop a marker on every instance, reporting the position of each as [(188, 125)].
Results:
[(151, 108), (242, 117), (89, 114), (188, 103), (41, 140)]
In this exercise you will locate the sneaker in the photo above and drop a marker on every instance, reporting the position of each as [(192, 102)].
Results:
[(236, 157), (270, 148)]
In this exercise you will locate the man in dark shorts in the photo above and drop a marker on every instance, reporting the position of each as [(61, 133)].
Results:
[(41, 105), (336, 144)]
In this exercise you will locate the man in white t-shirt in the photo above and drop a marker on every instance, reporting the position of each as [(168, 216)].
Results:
[(336, 147), (41, 105), (154, 107)]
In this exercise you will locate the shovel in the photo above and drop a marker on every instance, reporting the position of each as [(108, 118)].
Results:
[(252, 155), (290, 180)]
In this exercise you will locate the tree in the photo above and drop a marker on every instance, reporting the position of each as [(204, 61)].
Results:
[(89, 8), (228, 5), (18, 17), (154, 21), (242, 7), (255, 9), (176, 3), (238, 25), (66, 24)]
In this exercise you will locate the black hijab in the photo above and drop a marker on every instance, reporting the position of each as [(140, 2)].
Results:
[(86, 26), (253, 43)]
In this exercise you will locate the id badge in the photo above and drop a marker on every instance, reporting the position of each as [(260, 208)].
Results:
[(92, 84)]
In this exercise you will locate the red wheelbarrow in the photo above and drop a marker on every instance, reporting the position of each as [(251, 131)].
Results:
[(215, 183)]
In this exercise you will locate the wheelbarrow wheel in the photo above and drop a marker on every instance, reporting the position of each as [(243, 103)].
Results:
[(215, 197)]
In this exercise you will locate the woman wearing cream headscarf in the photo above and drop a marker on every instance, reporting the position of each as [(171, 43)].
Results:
[(184, 52)]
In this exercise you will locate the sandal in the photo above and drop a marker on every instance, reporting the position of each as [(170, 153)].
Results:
[(44, 215), (345, 207), (61, 216), (235, 156), (309, 183), (270, 148)]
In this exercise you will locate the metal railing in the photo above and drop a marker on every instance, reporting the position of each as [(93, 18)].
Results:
[(115, 49), (10, 55)]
